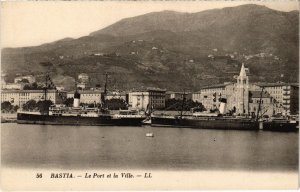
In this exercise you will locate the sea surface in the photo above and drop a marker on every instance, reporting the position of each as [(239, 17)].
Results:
[(92, 147)]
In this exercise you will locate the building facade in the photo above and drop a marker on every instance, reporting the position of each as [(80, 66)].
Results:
[(286, 97), (261, 101), (88, 96), (196, 96), (116, 95), (20, 97), (178, 95), (17, 86), (154, 98)]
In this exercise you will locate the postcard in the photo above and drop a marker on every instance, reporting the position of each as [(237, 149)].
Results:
[(149, 95)]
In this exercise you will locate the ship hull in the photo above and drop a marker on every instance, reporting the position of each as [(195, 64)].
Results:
[(102, 120), (235, 124), (281, 126)]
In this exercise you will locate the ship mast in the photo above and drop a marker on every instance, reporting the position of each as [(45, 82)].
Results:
[(182, 105), (46, 87), (105, 85), (259, 104), (105, 90)]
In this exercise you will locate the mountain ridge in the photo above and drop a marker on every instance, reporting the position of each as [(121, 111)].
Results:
[(158, 48)]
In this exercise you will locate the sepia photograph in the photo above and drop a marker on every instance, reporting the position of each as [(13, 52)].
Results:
[(149, 95)]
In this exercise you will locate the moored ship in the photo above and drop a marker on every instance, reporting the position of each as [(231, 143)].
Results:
[(60, 115), (205, 121), (281, 124), (79, 115)]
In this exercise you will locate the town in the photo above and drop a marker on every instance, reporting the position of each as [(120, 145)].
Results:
[(242, 97)]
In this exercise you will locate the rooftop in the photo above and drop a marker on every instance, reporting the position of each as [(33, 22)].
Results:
[(277, 84), (87, 91), (148, 89), (217, 85), (259, 94), (28, 91)]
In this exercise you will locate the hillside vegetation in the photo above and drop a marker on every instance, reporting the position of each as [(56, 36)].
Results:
[(173, 50)]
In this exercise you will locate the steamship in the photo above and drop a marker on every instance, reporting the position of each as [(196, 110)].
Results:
[(78, 115), (206, 120)]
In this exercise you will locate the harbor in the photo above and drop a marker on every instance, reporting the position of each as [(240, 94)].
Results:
[(112, 147), (234, 110)]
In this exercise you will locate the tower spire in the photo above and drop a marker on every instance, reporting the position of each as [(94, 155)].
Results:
[(243, 71)]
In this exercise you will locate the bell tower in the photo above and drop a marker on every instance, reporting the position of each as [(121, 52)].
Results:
[(242, 92)]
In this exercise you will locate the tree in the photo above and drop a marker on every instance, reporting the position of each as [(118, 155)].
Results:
[(30, 105), (6, 106), (33, 86), (69, 102), (43, 106), (176, 104), (15, 108)]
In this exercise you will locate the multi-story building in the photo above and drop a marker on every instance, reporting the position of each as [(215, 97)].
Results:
[(261, 101), (17, 86), (88, 96), (286, 96), (116, 95), (178, 95), (209, 96), (151, 97), (20, 97), (196, 96)]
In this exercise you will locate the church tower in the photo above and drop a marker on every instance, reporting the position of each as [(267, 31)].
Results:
[(242, 92)]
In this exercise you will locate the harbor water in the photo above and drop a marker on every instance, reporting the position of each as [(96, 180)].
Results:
[(84, 147)]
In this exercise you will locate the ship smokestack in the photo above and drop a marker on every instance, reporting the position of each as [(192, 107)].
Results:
[(223, 103), (76, 99)]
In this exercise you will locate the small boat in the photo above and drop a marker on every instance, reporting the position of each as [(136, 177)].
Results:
[(147, 121), (149, 135)]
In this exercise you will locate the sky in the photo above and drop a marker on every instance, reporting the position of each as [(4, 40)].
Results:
[(30, 23)]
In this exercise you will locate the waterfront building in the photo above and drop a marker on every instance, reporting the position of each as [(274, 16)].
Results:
[(209, 96), (286, 96), (87, 96), (152, 97), (178, 95), (262, 101), (20, 97), (16, 86), (196, 97), (116, 95)]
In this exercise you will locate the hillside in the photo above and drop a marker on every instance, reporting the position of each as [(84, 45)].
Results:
[(170, 49)]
